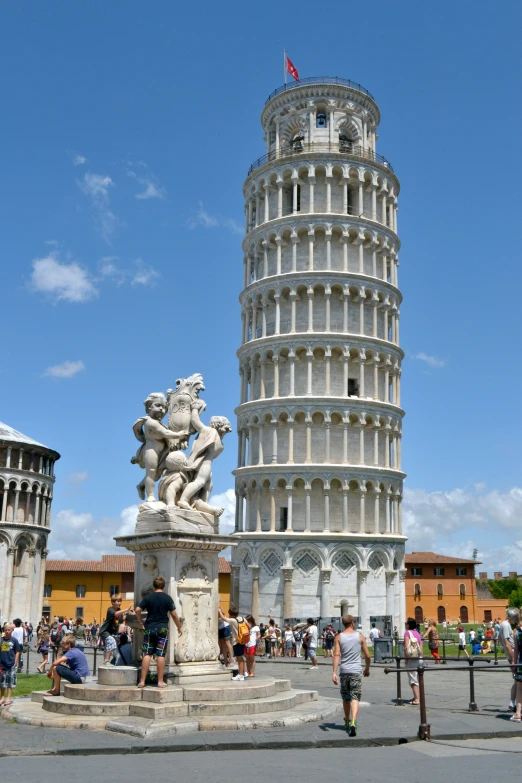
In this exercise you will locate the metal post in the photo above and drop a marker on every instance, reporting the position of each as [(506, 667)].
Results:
[(27, 665), (496, 651), (443, 650), (94, 663), (399, 702), (424, 727), (472, 704)]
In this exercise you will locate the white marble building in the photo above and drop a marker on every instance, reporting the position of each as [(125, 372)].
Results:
[(26, 484), (319, 477)]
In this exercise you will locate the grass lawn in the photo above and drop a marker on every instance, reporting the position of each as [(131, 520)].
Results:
[(27, 683)]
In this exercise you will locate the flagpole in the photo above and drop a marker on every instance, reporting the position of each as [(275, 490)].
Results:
[(284, 65)]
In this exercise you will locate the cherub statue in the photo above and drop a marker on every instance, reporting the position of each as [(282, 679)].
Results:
[(155, 439), (207, 446), (181, 403), (174, 478)]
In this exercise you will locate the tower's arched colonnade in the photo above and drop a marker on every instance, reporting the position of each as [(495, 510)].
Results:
[(319, 476)]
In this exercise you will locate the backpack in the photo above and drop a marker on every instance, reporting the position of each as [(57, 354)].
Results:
[(297, 636), (57, 635), (243, 632), (329, 634), (414, 647)]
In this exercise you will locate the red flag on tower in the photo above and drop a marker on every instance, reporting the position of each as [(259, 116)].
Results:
[(290, 67)]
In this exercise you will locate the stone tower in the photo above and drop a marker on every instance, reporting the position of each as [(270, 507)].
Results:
[(26, 484), (319, 477)]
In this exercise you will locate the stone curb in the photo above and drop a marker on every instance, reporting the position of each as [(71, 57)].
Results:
[(207, 744)]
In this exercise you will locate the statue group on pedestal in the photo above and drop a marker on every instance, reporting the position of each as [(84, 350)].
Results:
[(185, 481)]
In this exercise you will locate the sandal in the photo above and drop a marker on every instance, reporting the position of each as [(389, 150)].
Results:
[(2, 702), (140, 685), (515, 719), (7, 703), (51, 693), (414, 703)]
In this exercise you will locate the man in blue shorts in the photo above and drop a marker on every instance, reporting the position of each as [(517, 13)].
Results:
[(158, 606)]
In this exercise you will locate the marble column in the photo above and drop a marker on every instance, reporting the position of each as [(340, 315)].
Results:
[(326, 574), (39, 603), (234, 587), (307, 510), (402, 597), (289, 504), (390, 596), (255, 569), (363, 590), (8, 584), (287, 592)]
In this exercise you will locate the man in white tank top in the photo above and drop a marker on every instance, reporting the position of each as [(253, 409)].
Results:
[(348, 647)]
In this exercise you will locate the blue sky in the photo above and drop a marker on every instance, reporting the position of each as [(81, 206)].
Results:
[(127, 132)]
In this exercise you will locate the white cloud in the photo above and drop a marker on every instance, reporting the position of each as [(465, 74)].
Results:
[(77, 160), (433, 521), (77, 478), (79, 536), (65, 370), (144, 177), (431, 361), (205, 220), (67, 281), (226, 500), (97, 188), (143, 274), (127, 521)]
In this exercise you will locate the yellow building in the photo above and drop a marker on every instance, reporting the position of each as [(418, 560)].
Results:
[(83, 588)]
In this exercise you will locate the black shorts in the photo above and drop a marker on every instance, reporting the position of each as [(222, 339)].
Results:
[(239, 650)]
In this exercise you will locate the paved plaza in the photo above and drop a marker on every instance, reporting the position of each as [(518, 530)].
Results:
[(380, 721)]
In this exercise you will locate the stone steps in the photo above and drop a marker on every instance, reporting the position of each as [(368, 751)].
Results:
[(104, 693), (234, 691), (31, 713), (65, 706)]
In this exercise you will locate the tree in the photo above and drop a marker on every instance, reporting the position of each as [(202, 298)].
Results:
[(515, 598)]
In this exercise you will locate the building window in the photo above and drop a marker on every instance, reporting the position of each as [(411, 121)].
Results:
[(283, 518), (464, 614), (417, 589), (462, 571), (48, 591), (441, 614), (353, 387), (114, 590), (487, 615), (80, 591), (440, 591), (416, 571), (79, 612), (345, 143), (462, 591), (418, 615), (438, 571), (321, 120)]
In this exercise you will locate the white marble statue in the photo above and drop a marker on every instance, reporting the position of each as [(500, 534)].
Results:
[(186, 482), (155, 438)]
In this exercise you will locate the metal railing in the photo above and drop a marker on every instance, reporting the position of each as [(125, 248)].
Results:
[(421, 669), (300, 148), (320, 80)]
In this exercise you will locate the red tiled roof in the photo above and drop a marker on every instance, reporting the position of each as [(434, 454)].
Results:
[(432, 557), (224, 566), (117, 563), (72, 565)]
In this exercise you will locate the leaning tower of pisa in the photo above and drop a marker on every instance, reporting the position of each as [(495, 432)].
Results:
[(319, 476)]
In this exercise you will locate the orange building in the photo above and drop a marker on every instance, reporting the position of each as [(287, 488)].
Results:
[(83, 588), (441, 588)]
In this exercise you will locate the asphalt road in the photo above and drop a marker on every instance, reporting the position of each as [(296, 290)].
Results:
[(413, 762)]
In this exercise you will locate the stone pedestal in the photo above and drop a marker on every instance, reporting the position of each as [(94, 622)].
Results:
[(189, 564)]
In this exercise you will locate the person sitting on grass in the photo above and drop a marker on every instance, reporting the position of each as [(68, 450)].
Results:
[(10, 651), (71, 666)]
